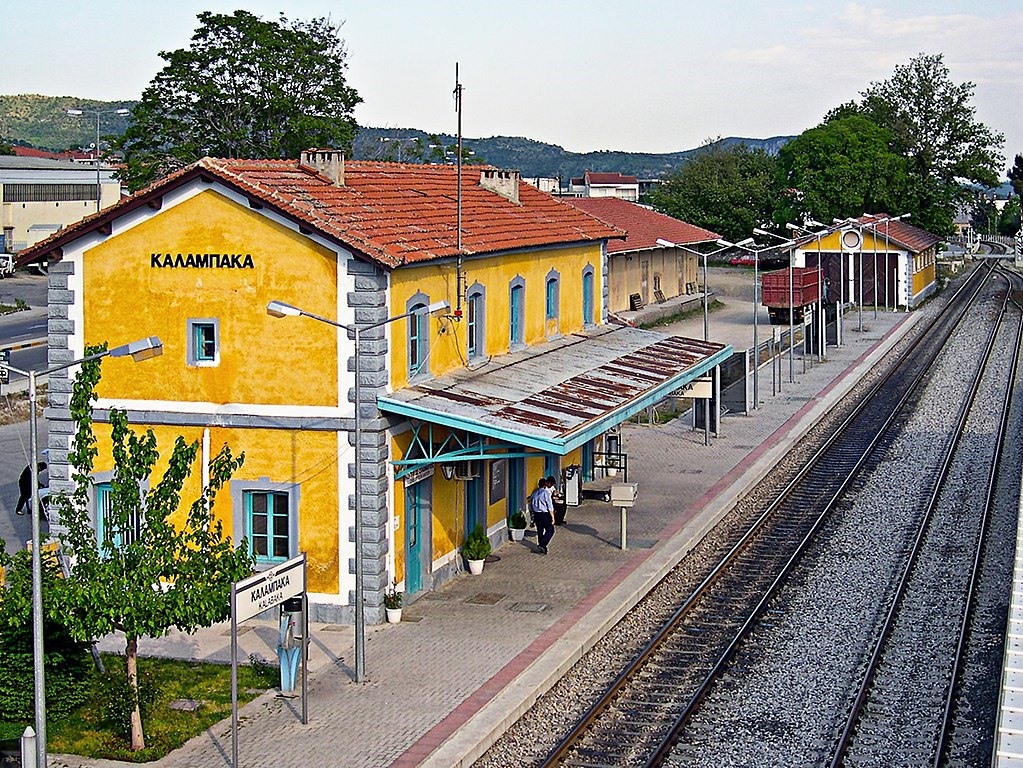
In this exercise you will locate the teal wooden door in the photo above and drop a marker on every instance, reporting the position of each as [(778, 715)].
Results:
[(475, 512), (414, 538), (516, 487)]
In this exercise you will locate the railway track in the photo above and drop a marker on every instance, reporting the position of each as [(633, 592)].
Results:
[(637, 720), (920, 632)]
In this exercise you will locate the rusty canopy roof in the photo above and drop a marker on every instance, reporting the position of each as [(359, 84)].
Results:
[(556, 396)]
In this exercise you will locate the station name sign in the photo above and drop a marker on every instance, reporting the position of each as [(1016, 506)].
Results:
[(201, 261), (270, 588), (702, 388)]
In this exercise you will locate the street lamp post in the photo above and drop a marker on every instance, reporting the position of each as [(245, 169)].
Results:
[(706, 316), (280, 309), (750, 246), (792, 311), (822, 322), (97, 113), (725, 245), (142, 349)]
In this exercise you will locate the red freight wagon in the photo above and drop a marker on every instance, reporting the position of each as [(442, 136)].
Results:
[(775, 293)]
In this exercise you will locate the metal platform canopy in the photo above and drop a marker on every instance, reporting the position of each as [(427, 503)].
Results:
[(556, 396)]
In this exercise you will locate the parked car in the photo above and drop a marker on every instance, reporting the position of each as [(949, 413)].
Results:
[(6, 264), (767, 261)]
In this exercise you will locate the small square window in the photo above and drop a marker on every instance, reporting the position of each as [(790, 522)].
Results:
[(203, 342)]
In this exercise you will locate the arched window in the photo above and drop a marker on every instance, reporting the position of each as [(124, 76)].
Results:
[(588, 303), (517, 313), (475, 322), (418, 336), (552, 297)]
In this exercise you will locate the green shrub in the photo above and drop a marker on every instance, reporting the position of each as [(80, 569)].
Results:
[(66, 663)]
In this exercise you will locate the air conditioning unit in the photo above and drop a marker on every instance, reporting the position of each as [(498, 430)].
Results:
[(467, 470)]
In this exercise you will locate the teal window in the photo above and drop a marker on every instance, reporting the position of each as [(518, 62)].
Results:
[(475, 327), (551, 298), (516, 311), (588, 296), (418, 336), (109, 529), (416, 340), (268, 523), (203, 342)]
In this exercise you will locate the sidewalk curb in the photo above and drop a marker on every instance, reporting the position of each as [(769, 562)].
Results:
[(460, 739)]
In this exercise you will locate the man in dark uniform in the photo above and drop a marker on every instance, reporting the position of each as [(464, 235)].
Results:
[(543, 514), (25, 487)]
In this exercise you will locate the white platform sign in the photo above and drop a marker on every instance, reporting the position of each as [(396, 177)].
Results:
[(269, 588), (698, 388)]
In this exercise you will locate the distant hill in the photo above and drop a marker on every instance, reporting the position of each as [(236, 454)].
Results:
[(43, 122)]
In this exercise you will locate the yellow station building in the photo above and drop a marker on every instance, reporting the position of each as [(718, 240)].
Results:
[(485, 358), (882, 259)]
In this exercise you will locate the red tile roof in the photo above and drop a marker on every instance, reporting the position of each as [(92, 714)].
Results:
[(900, 232), (644, 226), (608, 178), (392, 213)]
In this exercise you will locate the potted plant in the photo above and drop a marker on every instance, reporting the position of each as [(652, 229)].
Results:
[(517, 525), (392, 603), (476, 549)]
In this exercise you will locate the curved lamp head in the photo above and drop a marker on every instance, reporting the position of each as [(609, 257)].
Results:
[(143, 349), (436, 308), (280, 309)]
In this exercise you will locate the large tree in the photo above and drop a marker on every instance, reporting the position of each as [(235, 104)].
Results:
[(246, 88), (842, 168), (728, 190), (1016, 175), (151, 565), (934, 125)]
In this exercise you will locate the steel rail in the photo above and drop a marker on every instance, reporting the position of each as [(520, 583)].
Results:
[(945, 732), (863, 690), (964, 295)]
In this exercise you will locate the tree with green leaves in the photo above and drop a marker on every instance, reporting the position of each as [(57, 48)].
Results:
[(1016, 176), (933, 124), (142, 572), (842, 168), (728, 190), (246, 88)]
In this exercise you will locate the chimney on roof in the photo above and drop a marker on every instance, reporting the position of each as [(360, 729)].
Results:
[(326, 162), (504, 183)]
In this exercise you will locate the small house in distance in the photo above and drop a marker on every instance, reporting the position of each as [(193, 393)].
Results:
[(641, 270), (592, 184)]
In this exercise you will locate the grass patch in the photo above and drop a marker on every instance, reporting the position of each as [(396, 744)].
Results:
[(18, 306), (684, 314), (14, 405), (88, 732)]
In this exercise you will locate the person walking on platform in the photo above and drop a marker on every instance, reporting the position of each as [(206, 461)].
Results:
[(25, 487), (542, 507), (557, 501)]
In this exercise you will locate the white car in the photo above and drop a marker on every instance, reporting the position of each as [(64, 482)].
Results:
[(6, 264)]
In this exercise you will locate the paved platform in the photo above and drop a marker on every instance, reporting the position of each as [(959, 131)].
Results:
[(469, 659)]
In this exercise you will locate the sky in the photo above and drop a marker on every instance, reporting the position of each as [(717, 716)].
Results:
[(587, 75)]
